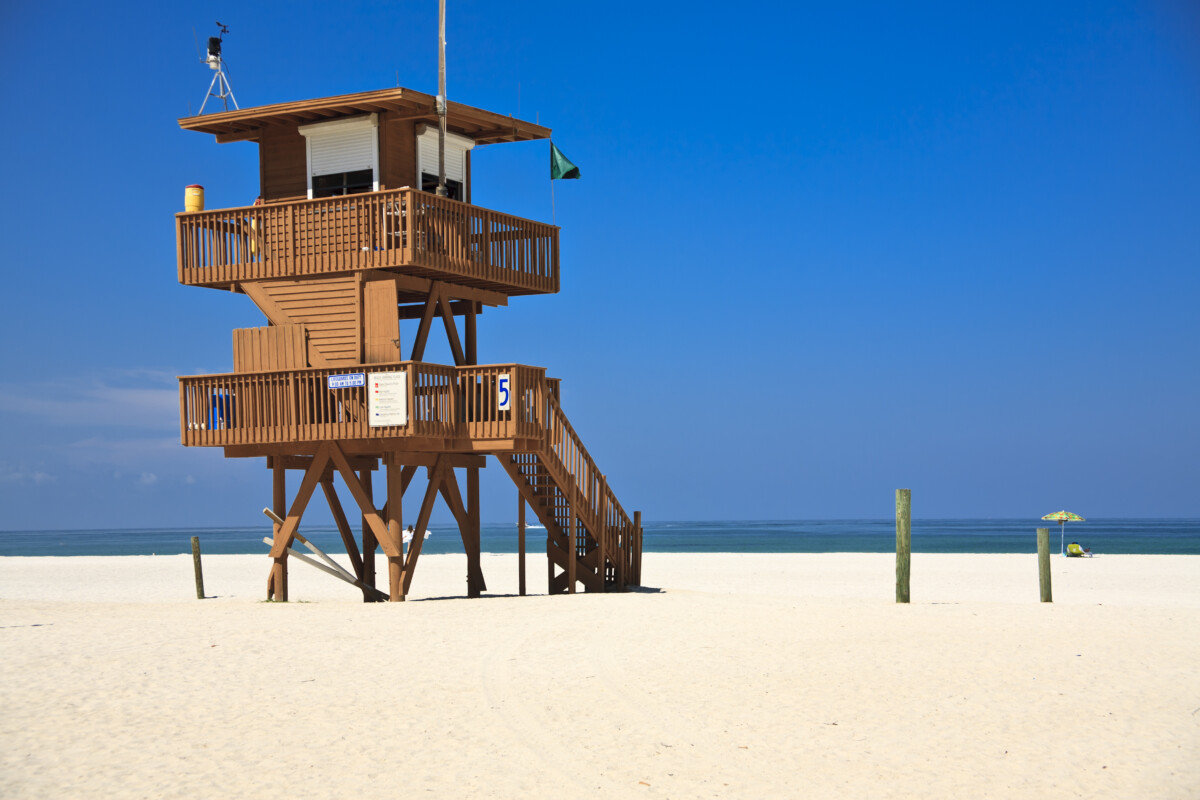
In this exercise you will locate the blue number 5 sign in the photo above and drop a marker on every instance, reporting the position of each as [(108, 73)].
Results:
[(505, 392)]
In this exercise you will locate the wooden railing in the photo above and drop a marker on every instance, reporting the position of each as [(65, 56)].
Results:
[(299, 405), (397, 228), (575, 470)]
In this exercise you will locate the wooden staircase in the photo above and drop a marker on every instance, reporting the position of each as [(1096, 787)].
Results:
[(327, 308), (590, 540)]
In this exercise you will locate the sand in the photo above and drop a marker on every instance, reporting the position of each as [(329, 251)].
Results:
[(748, 676)]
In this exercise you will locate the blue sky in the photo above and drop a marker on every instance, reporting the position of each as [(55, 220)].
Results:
[(817, 253)]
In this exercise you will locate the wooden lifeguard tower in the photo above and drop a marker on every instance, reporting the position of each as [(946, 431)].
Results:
[(347, 239)]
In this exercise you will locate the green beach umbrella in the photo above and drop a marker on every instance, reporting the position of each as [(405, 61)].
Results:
[(1062, 518)]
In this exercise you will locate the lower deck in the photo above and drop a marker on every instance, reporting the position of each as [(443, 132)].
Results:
[(408, 405), (405, 416)]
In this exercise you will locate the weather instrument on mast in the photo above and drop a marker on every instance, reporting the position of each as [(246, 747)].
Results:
[(219, 87)]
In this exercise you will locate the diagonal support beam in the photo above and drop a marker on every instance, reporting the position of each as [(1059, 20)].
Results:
[(343, 526), (414, 550), (451, 331), (283, 537), (406, 476), (390, 546), (431, 305)]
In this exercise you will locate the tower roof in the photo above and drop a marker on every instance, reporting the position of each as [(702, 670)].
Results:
[(485, 127)]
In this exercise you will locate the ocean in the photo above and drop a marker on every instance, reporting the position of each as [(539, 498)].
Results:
[(1139, 536)]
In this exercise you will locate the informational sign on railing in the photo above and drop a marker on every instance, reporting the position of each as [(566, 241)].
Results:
[(346, 381), (504, 391), (387, 398)]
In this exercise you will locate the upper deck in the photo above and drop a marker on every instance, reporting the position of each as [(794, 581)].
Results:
[(403, 229), (347, 184)]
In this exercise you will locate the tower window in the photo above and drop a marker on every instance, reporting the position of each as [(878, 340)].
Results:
[(340, 183), (453, 188)]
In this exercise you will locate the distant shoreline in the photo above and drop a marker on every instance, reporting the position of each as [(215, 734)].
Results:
[(1127, 536)]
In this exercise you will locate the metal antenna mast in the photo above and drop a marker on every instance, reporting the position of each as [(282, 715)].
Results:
[(220, 81), (441, 99)]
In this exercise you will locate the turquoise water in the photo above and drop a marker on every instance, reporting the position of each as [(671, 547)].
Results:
[(1154, 536)]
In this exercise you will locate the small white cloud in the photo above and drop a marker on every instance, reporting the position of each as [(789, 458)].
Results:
[(147, 479), (23, 475), (189, 480)]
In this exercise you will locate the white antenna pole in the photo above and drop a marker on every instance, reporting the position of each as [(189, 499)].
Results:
[(441, 187)]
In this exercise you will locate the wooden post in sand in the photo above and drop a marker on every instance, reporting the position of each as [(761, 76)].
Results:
[(520, 545), (196, 567), (903, 542), (1043, 541)]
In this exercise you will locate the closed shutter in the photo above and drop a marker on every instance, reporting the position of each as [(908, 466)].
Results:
[(346, 145), (342, 151), (456, 154)]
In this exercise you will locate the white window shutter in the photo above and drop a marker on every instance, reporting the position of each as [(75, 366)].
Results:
[(342, 151), (456, 154), (342, 145)]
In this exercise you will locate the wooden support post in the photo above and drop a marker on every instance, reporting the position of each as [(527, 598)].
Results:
[(1043, 545), (602, 553), (279, 506), (368, 538), (475, 584), (520, 545), (903, 542), (572, 545), (472, 348), (621, 560), (196, 567), (635, 547), (453, 498), (549, 563), (472, 341), (395, 495), (279, 579)]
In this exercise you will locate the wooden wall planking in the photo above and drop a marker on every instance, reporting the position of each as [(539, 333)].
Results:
[(283, 164), (276, 347), (397, 152), (328, 309)]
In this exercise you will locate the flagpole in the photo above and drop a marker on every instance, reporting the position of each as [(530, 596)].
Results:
[(441, 99)]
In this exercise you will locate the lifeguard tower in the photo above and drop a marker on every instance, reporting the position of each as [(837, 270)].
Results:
[(348, 239)]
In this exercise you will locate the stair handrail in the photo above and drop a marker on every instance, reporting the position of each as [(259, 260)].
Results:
[(557, 419)]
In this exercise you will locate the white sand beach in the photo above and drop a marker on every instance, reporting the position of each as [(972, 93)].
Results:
[(746, 676)]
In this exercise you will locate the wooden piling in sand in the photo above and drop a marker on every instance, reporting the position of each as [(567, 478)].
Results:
[(1043, 545), (520, 545), (903, 542), (196, 567)]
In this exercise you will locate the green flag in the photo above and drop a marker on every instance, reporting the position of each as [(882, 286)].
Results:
[(560, 166)]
